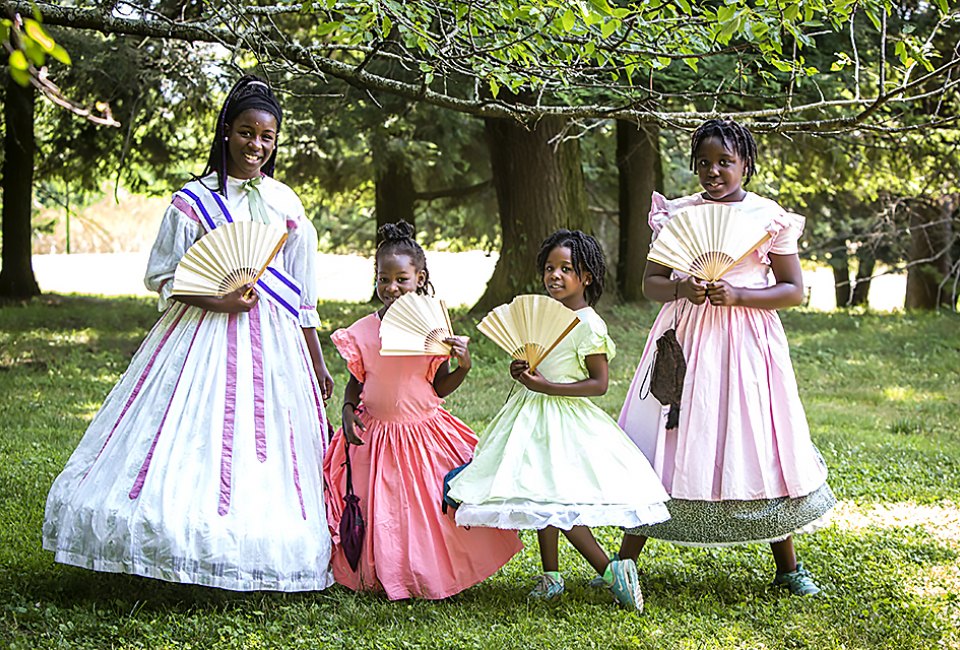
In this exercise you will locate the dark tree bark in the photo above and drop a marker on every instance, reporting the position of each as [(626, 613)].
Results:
[(930, 241), (840, 265), (640, 172), (539, 187), (394, 194), (17, 279), (866, 263)]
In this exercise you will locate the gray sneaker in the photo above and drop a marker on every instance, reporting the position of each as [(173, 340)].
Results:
[(547, 588), (626, 584), (597, 581), (799, 582)]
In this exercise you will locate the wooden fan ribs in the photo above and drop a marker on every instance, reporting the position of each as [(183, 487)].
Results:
[(415, 325), (529, 327)]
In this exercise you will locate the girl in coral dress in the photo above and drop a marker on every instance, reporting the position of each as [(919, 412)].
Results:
[(739, 465), (401, 444)]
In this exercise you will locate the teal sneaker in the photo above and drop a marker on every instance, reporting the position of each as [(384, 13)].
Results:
[(547, 588), (626, 584), (799, 582), (597, 582)]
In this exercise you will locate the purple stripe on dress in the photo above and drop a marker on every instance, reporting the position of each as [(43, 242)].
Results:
[(290, 308), (203, 209), (185, 208), (229, 417), (256, 350), (283, 278), (139, 384), (142, 474), (296, 469), (321, 414), (223, 207)]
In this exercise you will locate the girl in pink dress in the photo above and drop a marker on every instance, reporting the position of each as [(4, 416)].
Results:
[(402, 443), (739, 464)]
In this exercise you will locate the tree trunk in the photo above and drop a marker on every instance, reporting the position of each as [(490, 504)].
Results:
[(640, 172), (840, 265), (395, 195), (16, 276), (866, 263), (539, 188), (930, 240)]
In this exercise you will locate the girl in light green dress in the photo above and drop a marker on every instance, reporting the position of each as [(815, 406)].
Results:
[(551, 459)]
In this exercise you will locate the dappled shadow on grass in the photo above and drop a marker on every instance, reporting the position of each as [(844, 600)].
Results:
[(695, 598)]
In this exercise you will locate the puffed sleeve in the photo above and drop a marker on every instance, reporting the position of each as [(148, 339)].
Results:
[(786, 240), (350, 351), (435, 363), (179, 229), (300, 259), (659, 213), (595, 339)]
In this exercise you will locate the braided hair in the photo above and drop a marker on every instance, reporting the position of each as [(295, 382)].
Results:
[(734, 136), (586, 254), (398, 240), (249, 92)]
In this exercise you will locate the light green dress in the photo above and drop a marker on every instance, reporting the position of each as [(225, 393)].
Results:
[(559, 461)]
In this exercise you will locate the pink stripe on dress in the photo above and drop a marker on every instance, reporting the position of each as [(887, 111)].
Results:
[(185, 208), (296, 469), (229, 417), (321, 414), (256, 345), (142, 474), (139, 384)]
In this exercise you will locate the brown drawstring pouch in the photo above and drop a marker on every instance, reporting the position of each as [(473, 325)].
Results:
[(667, 373)]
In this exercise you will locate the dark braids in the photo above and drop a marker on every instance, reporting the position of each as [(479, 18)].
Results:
[(398, 240), (734, 136), (249, 92), (586, 255)]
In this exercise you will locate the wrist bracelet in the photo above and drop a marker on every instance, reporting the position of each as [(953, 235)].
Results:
[(351, 405)]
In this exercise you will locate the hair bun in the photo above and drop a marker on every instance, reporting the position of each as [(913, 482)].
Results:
[(396, 231)]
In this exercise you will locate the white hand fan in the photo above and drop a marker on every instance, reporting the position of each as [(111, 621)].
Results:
[(707, 240), (415, 325), (227, 258), (529, 327)]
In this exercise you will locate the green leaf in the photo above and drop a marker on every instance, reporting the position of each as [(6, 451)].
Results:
[(328, 28), (569, 19), (18, 61), (33, 51), (494, 87), (685, 6), (691, 63), (61, 55), (609, 27), (942, 6), (37, 33), (791, 12), (780, 65), (602, 6), (20, 76), (387, 26)]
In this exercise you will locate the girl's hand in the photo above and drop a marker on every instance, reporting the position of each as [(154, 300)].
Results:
[(533, 381), (236, 302), (722, 294), (325, 380), (459, 351), (517, 368), (350, 422), (693, 289)]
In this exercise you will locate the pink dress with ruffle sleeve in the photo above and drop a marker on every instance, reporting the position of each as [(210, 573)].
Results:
[(411, 549)]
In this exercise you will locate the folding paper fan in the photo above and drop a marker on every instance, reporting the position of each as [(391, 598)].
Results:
[(529, 327), (415, 325), (707, 240), (227, 258)]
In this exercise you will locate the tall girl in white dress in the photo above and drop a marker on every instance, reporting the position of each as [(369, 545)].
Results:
[(204, 463)]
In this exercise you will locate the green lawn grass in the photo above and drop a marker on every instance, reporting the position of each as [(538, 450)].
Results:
[(881, 396)]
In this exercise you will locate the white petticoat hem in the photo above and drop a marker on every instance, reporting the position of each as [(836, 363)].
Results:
[(536, 516), (289, 583)]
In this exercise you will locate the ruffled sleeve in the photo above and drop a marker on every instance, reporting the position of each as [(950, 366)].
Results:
[(179, 229), (300, 259), (435, 363), (349, 349), (595, 339), (786, 240), (659, 213)]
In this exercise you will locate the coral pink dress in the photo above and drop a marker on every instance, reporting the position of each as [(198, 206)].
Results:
[(740, 466), (411, 549)]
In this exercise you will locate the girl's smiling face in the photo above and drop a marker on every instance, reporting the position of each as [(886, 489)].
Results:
[(251, 140), (561, 279), (720, 171), (396, 275)]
